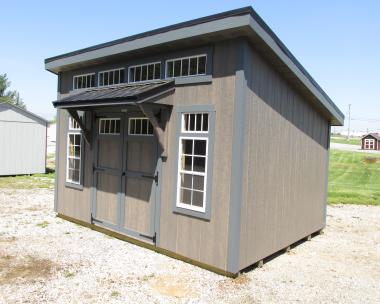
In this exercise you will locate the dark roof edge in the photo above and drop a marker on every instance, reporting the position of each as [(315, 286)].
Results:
[(25, 111), (235, 12)]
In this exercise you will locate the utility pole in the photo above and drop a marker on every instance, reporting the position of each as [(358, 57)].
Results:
[(349, 121)]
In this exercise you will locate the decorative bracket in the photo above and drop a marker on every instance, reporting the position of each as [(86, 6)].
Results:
[(87, 134)]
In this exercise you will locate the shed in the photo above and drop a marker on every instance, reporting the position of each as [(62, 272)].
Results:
[(371, 141), (205, 140), (22, 141)]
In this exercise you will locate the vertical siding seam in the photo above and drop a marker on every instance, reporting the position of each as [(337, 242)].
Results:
[(56, 169)]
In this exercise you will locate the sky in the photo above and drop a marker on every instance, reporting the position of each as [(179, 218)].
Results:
[(337, 41)]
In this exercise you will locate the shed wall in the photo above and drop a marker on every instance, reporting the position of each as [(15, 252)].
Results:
[(285, 164), (23, 144)]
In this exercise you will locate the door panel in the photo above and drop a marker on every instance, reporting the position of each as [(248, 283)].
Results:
[(107, 198), (109, 152)]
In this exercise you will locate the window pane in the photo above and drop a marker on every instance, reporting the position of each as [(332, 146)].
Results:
[(199, 147), (193, 66), (177, 68), (157, 71), (198, 126), (107, 126), (79, 82), (71, 163), (106, 79), (192, 122), (186, 180), (199, 164), (186, 122), (121, 76), (202, 65), (88, 81), (138, 126), (186, 163), (198, 182), (117, 126), (150, 128), (169, 69), (93, 80), (77, 139), (117, 78), (197, 198), (112, 126), (110, 77), (101, 79), (131, 126), (150, 72), (185, 196), (138, 74), (131, 74), (144, 72), (76, 164), (185, 67), (144, 126), (75, 175), (187, 146), (205, 122), (77, 151)]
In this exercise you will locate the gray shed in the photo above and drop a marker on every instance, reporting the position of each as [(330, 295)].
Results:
[(22, 141), (205, 140)]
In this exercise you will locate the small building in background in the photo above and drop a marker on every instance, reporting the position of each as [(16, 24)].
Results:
[(22, 141), (371, 141)]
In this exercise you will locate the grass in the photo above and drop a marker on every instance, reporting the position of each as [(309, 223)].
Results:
[(43, 224), (343, 140), (35, 181), (354, 178)]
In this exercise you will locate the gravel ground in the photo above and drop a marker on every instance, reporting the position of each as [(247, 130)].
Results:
[(44, 259), (351, 148)]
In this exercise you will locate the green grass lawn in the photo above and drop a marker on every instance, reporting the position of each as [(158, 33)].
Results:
[(35, 181), (354, 178), (343, 140)]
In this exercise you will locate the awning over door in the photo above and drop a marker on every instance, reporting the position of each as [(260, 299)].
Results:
[(116, 95)]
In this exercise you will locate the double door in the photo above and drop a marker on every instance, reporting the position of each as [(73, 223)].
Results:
[(125, 174)]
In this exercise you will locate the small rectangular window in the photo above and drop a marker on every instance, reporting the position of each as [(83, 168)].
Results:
[(73, 174), (369, 144), (195, 122), (109, 126), (187, 66), (73, 125), (111, 77), (140, 126), (84, 81), (145, 72)]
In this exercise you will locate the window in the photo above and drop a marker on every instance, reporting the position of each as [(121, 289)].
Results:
[(74, 147), (109, 126), (73, 125), (192, 161), (111, 77), (188, 66), (140, 126), (149, 71), (84, 81), (369, 144)]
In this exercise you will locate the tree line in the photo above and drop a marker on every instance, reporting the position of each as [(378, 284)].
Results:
[(7, 95)]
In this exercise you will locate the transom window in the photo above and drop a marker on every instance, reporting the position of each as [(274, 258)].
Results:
[(73, 125), (111, 77), (140, 126), (187, 66), (109, 126), (144, 72), (369, 144), (74, 158), (84, 81), (195, 122)]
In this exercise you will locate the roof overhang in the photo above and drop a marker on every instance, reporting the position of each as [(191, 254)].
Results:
[(241, 22)]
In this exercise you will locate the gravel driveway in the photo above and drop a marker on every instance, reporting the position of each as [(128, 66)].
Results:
[(351, 148), (44, 259)]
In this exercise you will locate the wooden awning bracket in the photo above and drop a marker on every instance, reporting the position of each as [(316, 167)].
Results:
[(86, 132), (158, 122)]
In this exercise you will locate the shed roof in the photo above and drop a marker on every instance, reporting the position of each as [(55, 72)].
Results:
[(374, 135), (235, 23), (120, 94), (23, 112)]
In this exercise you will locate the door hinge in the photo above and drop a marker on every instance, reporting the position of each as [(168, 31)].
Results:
[(154, 177), (151, 237), (95, 220)]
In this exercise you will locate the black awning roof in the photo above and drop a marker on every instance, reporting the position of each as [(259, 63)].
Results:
[(118, 94)]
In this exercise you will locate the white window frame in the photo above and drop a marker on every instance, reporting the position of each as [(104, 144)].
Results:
[(130, 119), (204, 174), (369, 144), (104, 119), (72, 122), (195, 123), (186, 57), (82, 75), (141, 65), (108, 71), (74, 157)]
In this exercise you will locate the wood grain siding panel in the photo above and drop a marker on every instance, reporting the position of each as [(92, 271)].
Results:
[(73, 202), (285, 171), (202, 240)]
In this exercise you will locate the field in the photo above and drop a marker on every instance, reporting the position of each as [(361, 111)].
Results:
[(354, 178), (343, 140)]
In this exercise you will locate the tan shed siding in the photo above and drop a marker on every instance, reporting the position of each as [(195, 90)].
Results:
[(285, 165), (73, 202), (204, 241)]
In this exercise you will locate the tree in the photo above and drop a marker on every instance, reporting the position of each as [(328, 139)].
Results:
[(7, 95)]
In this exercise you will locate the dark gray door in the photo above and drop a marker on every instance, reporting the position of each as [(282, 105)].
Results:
[(141, 178), (108, 169)]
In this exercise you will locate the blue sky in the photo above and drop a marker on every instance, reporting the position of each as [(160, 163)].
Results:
[(336, 41)]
